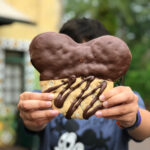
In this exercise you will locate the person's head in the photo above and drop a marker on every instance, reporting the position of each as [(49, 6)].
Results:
[(83, 29)]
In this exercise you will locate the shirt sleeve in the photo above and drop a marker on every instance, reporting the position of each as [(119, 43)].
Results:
[(29, 131), (140, 100)]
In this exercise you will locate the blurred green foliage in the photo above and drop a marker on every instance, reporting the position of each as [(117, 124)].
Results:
[(129, 20)]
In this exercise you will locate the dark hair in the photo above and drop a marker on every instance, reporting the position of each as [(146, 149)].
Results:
[(83, 29)]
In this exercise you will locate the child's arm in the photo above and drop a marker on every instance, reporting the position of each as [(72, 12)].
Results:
[(121, 104)]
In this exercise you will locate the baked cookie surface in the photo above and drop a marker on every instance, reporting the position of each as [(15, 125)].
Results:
[(78, 97)]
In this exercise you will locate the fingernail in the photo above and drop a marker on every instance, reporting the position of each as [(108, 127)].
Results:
[(105, 104), (48, 103), (102, 98), (99, 114), (50, 96), (55, 112)]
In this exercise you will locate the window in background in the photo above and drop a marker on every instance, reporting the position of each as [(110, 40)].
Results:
[(14, 71)]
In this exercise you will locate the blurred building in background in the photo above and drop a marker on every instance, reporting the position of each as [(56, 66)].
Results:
[(20, 21)]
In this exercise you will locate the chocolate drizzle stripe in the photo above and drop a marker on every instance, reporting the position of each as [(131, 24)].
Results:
[(59, 101), (55, 87), (79, 99), (87, 114)]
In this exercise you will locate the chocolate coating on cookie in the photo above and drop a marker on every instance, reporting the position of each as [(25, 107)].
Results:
[(57, 56)]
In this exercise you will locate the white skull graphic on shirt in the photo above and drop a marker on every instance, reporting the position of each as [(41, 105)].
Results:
[(67, 141)]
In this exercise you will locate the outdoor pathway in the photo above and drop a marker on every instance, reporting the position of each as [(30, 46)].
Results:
[(145, 145)]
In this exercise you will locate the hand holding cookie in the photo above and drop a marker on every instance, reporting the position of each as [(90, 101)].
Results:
[(35, 110), (120, 104)]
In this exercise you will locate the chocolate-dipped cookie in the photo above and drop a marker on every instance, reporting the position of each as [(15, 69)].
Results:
[(73, 71)]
